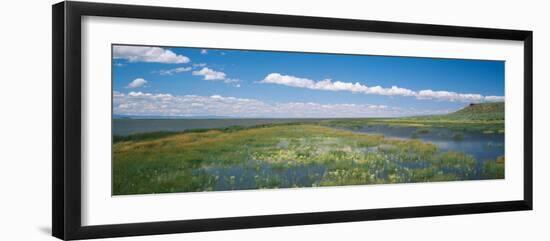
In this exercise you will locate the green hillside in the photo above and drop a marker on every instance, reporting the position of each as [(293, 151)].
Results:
[(481, 111), (472, 112), (483, 117)]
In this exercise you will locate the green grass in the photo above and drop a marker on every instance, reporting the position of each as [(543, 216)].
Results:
[(160, 134), (142, 136), (494, 169), (483, 118), (182, 162), (482, 111)]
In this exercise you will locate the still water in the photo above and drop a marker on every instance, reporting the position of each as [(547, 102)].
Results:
[(481, 146)]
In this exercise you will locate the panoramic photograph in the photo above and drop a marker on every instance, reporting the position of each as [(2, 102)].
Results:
[(188, 119)]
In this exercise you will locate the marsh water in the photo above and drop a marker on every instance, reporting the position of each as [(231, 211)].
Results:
[(249, 175), (482, 146)]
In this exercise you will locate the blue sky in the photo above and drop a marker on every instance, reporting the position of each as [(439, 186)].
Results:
[(220, 82)]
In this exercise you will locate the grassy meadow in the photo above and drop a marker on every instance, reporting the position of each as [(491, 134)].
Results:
[(323, 153)]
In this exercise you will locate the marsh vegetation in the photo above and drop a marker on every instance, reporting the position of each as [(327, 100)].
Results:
[(465, 145)]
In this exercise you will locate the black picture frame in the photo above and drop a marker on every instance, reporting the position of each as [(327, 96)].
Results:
[(66, 167)]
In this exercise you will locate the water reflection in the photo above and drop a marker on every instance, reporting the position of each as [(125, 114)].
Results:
[(481, 146)]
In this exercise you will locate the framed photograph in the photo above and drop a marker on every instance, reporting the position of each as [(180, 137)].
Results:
[(169, 120)]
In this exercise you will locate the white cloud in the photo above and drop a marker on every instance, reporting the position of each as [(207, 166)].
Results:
[(210, 74), (148, 54), (174, 71), (493, 98), (139, 103), (204, 51), (231, 81), (137, 83), (199, 65), (329, 85), (117, 94)]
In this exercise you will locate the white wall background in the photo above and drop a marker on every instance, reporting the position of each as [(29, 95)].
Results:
[(25, 129)]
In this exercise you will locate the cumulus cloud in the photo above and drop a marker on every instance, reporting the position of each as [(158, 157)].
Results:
[(174, 71), (137, 83), (148, 104), (204, 51), (329, 85), (210, 74), (148, 54)]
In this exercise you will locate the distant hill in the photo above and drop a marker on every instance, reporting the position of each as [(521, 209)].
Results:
[(480, 111)]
